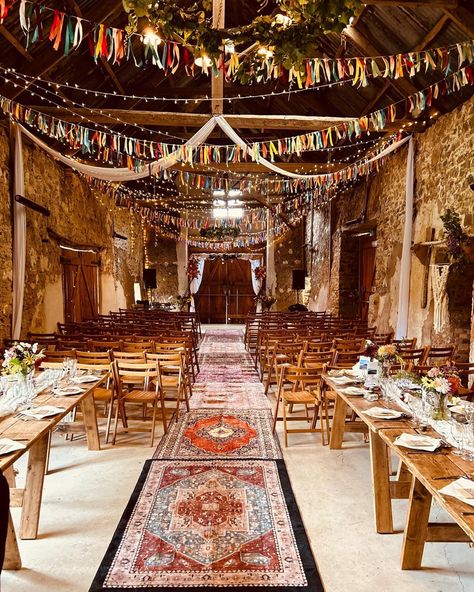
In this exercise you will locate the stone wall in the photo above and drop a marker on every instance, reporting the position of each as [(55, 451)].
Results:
[(163, 257), (443, 160), (79, 215), (289, 255)]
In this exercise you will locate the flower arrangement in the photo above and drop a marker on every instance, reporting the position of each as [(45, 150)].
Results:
[(21, 358), (183, 301), (192, 270), (456, 238), (266, 300), (389, 353), (370, 349), (260, 273), (441, 382)]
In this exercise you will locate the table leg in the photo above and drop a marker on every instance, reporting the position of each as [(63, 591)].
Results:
[(90, 422), (12, 554), (338, 423), (416, 528), (34, 488), (381, 483)]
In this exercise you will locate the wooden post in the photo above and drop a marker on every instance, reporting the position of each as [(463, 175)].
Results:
[(217, 82)]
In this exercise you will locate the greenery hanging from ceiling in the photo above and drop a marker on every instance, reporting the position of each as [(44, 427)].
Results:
[(220, 232), (290, 35)]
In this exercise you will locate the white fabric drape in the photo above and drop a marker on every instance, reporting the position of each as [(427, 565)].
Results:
[(439, 279), (182, 261), (405, 263), (234, 136), (19, 234), (270, 257), (256, 282), (123, 174), (196, 283)]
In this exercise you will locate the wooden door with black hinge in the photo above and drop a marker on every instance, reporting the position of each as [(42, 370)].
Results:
[(80, 271), (226, 291)]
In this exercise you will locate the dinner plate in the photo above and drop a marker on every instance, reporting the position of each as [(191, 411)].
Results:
[(377, 413), (42, 412), (7, 446), (354, 391), (68, 390), (85, 378)]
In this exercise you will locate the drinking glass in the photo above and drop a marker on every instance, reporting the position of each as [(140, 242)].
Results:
[(457, 432)]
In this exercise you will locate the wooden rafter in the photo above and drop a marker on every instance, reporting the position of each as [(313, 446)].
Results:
[(427, 39), (217, 82), (462, 19), (194, 120), (413, 3)]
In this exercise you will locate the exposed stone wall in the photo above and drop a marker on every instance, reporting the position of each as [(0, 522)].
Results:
[(163, 257), (443, 159), (288, 256), (79, 215), (5, 238)]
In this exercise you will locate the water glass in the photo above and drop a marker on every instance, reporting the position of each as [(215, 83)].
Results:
[(457, 432)]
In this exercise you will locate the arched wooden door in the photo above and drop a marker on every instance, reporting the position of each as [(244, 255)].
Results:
[(226, 291)]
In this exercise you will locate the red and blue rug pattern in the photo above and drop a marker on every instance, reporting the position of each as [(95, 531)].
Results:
[(214, 508)]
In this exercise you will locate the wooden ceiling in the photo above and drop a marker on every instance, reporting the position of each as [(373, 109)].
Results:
[(381, 27)]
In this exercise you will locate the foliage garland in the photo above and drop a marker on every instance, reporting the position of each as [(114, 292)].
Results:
[(455, 236), (291, 40), (220, 232)]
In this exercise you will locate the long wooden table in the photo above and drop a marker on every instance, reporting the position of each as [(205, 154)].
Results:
[(35, 435), (419, 478)]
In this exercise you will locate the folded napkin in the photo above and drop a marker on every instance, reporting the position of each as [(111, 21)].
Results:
[(418, 442), (462, 489), (42, 412), (335, 373), (383, 413), (342, 380), (85, 378), (7, 446), (68, 390), (354, 391)]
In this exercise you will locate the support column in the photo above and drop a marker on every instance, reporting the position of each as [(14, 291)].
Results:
[(270, 256), (182, 259)]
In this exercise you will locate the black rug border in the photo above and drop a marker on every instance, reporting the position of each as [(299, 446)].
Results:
[(314, 582)]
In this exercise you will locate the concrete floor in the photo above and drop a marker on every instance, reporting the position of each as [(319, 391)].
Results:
[(86, 492)]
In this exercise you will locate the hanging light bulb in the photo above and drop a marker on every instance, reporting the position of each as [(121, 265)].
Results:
[(151, 37), (203, 61)]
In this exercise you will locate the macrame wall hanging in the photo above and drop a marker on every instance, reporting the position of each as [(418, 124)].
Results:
[(439, 280)]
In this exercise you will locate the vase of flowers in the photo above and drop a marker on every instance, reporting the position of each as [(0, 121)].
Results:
[(20, 360), (266, 301), (182, 302), (388, 355), (439, 384)]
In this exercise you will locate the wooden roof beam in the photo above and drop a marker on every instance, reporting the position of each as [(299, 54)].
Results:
[(463, 19), (427, 39), (413, 3), (193, 120)]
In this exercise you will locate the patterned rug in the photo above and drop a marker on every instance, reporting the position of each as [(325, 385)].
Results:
[(221, 434), (210, 524), (214, 509)]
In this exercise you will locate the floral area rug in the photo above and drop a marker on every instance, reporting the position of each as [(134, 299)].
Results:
[(214, 508), (221, 434)]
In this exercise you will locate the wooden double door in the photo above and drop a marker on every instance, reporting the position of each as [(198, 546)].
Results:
[(80, 272), (226, 294)]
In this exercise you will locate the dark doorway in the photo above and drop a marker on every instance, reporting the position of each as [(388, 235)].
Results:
[(80, 285), (226, 291)]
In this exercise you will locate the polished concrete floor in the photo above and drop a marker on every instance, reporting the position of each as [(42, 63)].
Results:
[(86, 492)]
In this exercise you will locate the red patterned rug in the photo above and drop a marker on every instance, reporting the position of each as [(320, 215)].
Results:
[(215, 508), (210, 524), (221, 434)]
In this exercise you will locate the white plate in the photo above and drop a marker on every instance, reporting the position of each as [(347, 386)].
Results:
[(354, 391), (418, 442), (42, 412), (68, 390), (85, 378), (376, 413)]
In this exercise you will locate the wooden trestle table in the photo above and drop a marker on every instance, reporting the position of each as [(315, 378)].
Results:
[(419, 478), (35, 434)]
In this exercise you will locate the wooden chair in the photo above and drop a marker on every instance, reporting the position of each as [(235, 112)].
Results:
[(175, 381), (101, 346), (466, 372), (145, 375), (137, 346), (94, 358), (305, 390), (437, 356), (411, 358), (59, 355), (346, 359), (382, 338), (406, 343), (348, 345), (280, 354), (69, 344), (137, 357), (46, 340)]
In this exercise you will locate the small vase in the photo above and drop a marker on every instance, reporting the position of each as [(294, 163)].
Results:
[(440, 411), (385, 368)]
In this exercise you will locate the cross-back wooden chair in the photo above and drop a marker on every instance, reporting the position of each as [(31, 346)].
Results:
[(149, 391), (304, 389)]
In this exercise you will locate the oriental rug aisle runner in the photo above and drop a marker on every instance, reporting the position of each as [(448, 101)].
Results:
[(214, 507)]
